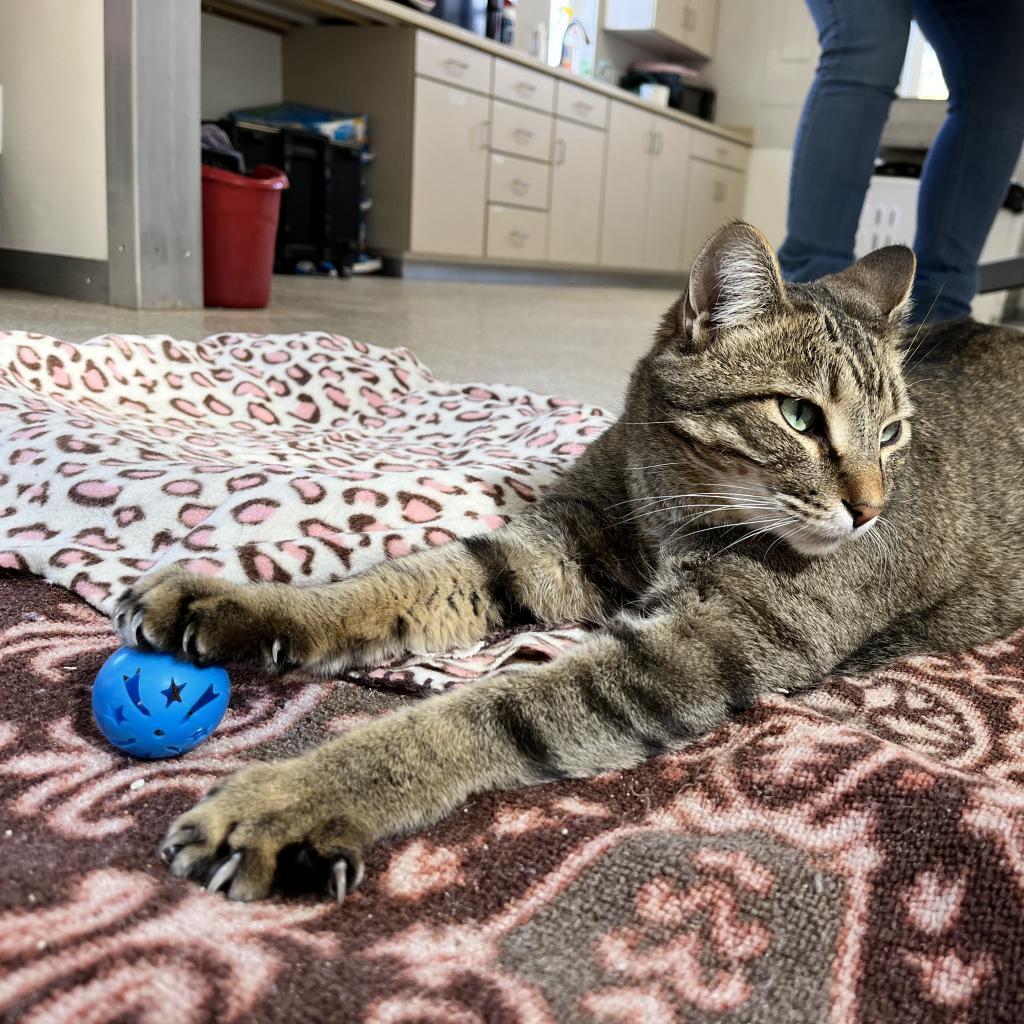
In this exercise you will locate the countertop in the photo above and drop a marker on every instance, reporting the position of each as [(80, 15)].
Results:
[(388, 12)]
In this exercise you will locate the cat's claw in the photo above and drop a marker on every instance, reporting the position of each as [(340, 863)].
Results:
[(173, 843), (346, 876), (207, 621), (137, 637), (225, 872), (188, 643)]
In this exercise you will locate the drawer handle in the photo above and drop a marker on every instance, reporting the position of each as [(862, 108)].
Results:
[(456, 67), (559, 151), (583, 107), (719, 192), (484, 137), (525, 88), (522, 135), (518, 238), (520, 186), (722, 151)]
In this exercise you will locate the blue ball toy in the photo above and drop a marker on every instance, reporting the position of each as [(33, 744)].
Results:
[(152, 705)]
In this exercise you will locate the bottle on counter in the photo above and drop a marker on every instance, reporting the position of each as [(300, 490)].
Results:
[(494, 19), (539, 41), (508, 22)]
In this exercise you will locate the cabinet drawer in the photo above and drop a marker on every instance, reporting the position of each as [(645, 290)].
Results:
[(714, 196), (517, 182), (449, 170), (516, 234), (582, 105), (453, 63), (719, 151), (521, 85), (520, 132)]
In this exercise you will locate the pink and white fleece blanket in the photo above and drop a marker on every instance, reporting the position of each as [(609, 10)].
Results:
[(298, 458)]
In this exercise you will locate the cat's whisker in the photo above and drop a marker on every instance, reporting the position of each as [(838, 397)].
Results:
[(648, 423), (699, 515), (717, 526), (920, 326), (889, 545), (730, 501), (783, 536), (720, 484), (692, 496), (772, 525), (642, 514), (735, 526), (679, 497), (696, 494)]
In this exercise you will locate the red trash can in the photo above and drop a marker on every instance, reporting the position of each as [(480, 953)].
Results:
[(240, 215)]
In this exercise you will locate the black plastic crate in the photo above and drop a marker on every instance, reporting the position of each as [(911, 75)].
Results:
[(323, 208)]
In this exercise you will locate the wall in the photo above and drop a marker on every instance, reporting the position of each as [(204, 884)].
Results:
[(530, 14), (765, 56), (241, 67), (53, 177), (768, 191), (615, 55)]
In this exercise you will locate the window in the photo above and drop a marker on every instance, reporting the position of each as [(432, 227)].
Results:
[(922, 77)]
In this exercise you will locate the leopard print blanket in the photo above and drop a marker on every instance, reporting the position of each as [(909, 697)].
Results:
[(294, 458)]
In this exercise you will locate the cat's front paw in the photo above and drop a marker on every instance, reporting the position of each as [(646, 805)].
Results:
[(207, 620), (266, 822)]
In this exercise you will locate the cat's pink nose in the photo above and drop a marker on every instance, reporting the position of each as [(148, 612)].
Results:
[(862, 512)]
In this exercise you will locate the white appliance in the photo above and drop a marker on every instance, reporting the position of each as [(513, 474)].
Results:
[(889, 217)]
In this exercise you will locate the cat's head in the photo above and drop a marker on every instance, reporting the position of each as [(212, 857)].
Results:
[(785, 405)]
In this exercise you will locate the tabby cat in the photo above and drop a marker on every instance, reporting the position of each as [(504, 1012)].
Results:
[(758, 518)]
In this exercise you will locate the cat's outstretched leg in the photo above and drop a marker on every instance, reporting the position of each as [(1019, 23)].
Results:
[(544, 569), (646, 686)]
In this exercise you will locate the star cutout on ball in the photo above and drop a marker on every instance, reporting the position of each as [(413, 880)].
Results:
[(173, 693)]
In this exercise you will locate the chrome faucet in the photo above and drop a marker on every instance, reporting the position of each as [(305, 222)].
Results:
[(575, 23)]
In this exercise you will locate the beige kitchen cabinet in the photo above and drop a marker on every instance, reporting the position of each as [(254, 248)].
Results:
[(517, 84), (483, 156), (451, 128), (576, 179), (699, 25), (453, 64), (670, 27), (583, 105), (645, 191), (627, 173), (520, 132), (516, 234), (516, 182), (666, 196), (670, 18), (716, 150), (714, 195)]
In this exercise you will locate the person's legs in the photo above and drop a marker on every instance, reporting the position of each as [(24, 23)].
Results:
[(863, 44), (980, 46)]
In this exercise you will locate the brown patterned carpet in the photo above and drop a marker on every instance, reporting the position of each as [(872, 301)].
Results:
[(857, 855)]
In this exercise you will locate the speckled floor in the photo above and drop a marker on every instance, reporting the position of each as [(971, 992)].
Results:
[(579, 342)]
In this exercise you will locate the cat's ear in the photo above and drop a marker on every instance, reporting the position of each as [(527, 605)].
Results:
[(735, 281), (882, 281)]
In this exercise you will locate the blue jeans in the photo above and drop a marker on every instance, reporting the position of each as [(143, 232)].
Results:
[(980, 46)]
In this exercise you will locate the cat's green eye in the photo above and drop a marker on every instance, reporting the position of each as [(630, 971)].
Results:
[(803, 416), (892, 433)]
